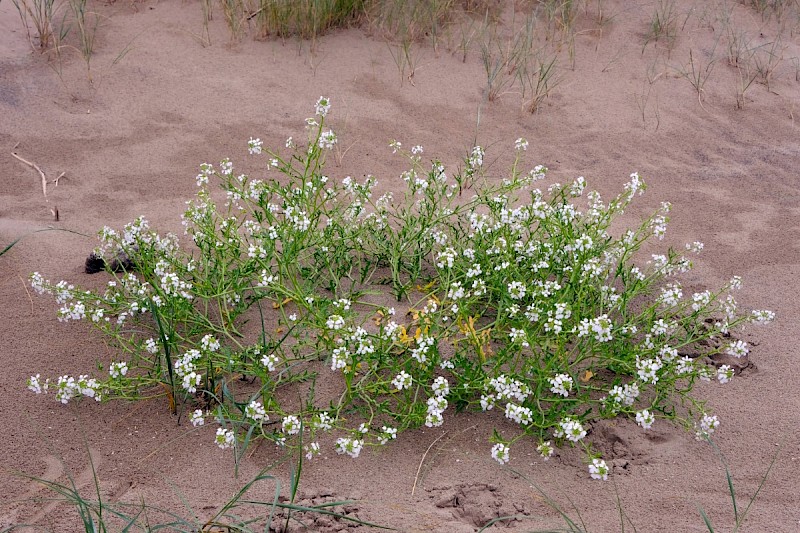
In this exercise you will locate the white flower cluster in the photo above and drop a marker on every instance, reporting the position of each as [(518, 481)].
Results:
[(623, 396), (519, 414), (763, 316), (196, 418), (402, 380), (387, 434), (68, 387), (327, 139), (312, 450), (291, 425), (349, 446), (556, 317), (255, 411), (171, 284), (571, 429), (322, 106), (335, 322), (598, 469), (545, 449), (339, 358), (671, 295), (645, 418), (600, 326), (420, 352), (500, 453), (225, 438), (437, 403), (254, 146), (647, 369), (475, 160), (737, 348), (561, 384), (186, 370), (706, 426), (446, 258), (118, 370), (322, 421)]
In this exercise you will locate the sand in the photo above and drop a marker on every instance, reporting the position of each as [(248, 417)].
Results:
[(130, 144)]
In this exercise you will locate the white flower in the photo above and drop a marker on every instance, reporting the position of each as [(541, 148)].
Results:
[(66, 389), (706, 426), (520, 144), (322, 106), (254, 147), (545, 449), (291, 425), (256, 411), (35, 384), (645, 418), (500, 453), (561, 384), (737, 349), (339, 358), (695, 246), (725, 374), (151, 345), (600, 326), (434, 419), (335, 322), (507, 388), (571, 429), (327, 139), (440, 387), (196, 418), (700, 300), (209, 343), (598, 469), (117, 370), (225, 438), (270, 361), (312, 450), (487, 402), (191, 381), (402, 380), (322, 421), (351, 447), (519, 414), (518, 335), (387, 434), (516, 290), (763, 316), (648, 368)]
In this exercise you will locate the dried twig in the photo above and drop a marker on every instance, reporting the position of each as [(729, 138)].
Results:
[(421, 461), (39, 170), (58, 178)]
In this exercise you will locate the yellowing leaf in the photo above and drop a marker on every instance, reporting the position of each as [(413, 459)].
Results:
[(586, 376), (276, 305)]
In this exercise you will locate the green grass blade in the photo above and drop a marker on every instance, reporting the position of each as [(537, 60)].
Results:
[(706, 519)]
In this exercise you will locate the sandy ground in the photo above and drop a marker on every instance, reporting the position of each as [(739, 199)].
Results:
[(130, 144)]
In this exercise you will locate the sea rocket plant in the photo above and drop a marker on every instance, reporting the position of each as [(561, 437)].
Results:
[(512, 296)]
